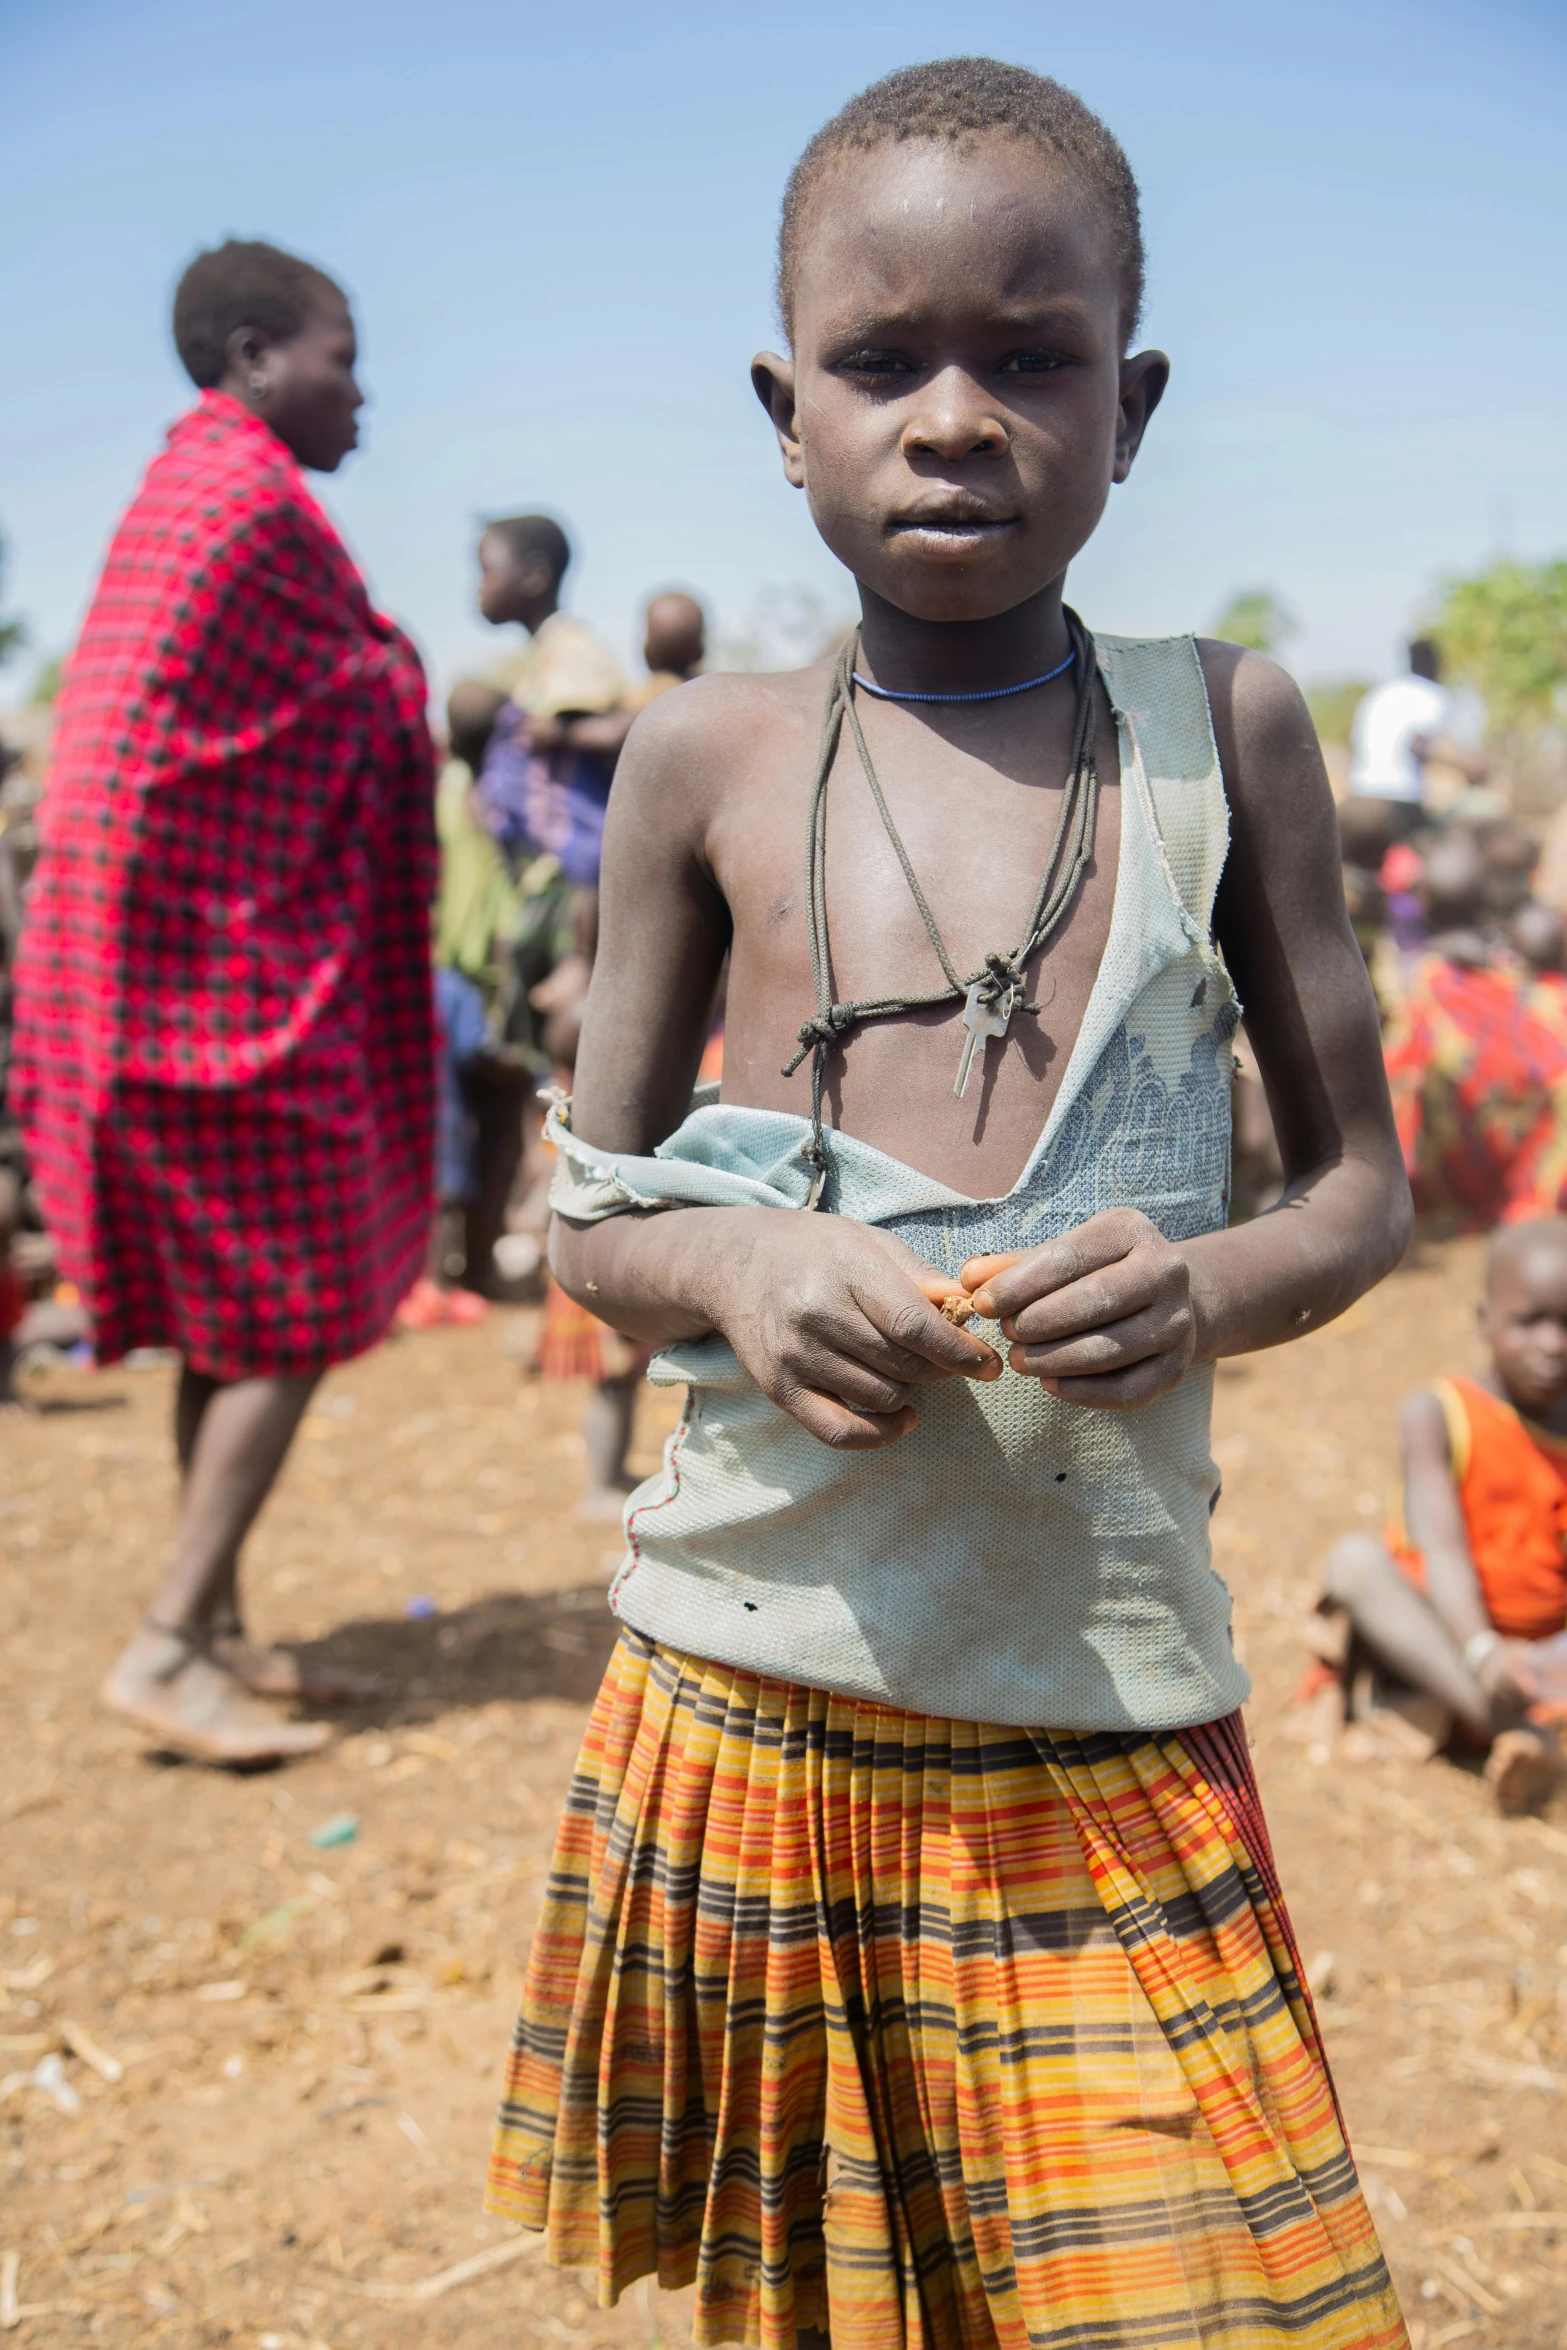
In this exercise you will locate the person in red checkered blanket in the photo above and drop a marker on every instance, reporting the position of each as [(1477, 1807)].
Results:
[(225, 1051)]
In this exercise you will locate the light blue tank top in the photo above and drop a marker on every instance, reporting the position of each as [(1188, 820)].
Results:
[(1015, 1559)]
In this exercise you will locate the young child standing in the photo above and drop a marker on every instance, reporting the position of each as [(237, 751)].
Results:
[(913, 1969), (1457, 1605)]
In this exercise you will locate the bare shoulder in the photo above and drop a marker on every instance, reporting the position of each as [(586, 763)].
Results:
[(711, 717), (1423, 1422), (1260, 720), (1284, 829), (708, 746)]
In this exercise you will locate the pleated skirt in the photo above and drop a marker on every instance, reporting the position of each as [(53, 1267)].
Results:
[(928, 2034)]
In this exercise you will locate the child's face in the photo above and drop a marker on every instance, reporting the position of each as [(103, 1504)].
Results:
[(957, 407), (1524, 1316), (512, 586), (315, 399)]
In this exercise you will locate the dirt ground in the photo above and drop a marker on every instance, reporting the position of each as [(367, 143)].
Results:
[(304, 2037)]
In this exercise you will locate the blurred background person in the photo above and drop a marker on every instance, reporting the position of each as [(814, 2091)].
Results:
[(1448, 1630), (544, 790), (551, 756), (484, 1081), (224, 1031), (1538, 937), (674, 644), (1477, 1062), (1399, 728), (544, 786)]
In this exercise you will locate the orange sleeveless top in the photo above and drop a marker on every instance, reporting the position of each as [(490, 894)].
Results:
[(1512, 1483)]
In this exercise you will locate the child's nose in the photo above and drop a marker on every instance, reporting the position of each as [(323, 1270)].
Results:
[(954, 419)]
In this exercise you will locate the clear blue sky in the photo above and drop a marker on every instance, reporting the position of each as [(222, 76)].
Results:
[(556, 225)]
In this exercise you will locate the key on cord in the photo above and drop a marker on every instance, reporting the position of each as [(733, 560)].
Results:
[(982, 1018)]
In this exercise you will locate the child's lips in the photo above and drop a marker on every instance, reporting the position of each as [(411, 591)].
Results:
[(953, 531)]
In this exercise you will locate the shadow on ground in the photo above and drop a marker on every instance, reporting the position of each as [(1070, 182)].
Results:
[(512, 1645)]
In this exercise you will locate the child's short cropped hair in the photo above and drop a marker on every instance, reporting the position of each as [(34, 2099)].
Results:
[(243, 283), (952, 99)]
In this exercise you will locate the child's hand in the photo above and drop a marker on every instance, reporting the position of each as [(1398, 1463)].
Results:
[(1103, 1316), (836, 1322), (1508, 1676)]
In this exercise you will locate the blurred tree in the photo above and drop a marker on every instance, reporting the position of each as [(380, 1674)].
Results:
[(1504, 632), (13, 634), (46, 681), (1256, 618), (1333, 705)]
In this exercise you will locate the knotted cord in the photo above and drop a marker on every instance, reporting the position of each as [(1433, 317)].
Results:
[(1070, 851)]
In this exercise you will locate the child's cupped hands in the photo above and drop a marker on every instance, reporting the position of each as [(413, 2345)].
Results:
[(1103, 1316), (840, 1323)]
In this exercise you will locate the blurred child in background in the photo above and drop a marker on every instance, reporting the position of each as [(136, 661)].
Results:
[(482, 1082), (1478, 1073), (1452, 1622), (674, 644)]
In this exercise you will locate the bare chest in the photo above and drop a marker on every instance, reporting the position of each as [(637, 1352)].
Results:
[(978, 832)]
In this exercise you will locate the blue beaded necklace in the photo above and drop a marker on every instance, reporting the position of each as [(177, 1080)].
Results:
[(993, 693)]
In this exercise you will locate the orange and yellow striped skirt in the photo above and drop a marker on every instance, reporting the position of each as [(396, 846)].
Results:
[(574, 1344), (933, 2035)]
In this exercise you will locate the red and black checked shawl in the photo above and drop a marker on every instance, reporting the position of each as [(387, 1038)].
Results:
[(224, 1051)]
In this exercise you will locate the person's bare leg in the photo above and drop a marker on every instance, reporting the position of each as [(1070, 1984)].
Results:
[(498, 1100), (1396, 1622), (606, 1430), (267, 1672), (232, 1441), (191, 1398), (1400, 1627)]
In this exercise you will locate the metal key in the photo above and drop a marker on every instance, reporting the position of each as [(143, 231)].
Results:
[(983, 1018)]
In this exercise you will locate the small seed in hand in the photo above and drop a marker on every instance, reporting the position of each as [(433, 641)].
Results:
[(960, 1310)]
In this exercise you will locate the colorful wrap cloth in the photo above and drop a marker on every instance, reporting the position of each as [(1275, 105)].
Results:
[(940, 2034), (1477, 1063), (225, 1045)]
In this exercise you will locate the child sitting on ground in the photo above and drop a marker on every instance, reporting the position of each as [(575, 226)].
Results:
[(1452, 1609)]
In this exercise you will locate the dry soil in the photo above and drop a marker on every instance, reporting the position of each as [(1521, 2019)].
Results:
[(274, 2061)]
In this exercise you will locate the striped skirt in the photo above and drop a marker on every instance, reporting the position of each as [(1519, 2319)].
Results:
[(574, 1344), (937, 2035)]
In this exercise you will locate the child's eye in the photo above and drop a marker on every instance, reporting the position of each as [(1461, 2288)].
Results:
[(875, 363), (1031, 363)]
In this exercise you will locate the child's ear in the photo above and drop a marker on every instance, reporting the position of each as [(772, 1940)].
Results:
[(1143, 379), (772, 379)]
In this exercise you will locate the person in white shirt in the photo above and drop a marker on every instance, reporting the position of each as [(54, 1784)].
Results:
[(1398, 728)]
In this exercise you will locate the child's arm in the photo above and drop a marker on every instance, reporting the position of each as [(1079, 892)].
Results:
[(827, 1315), (1434, 1520), (1113, 1314)]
